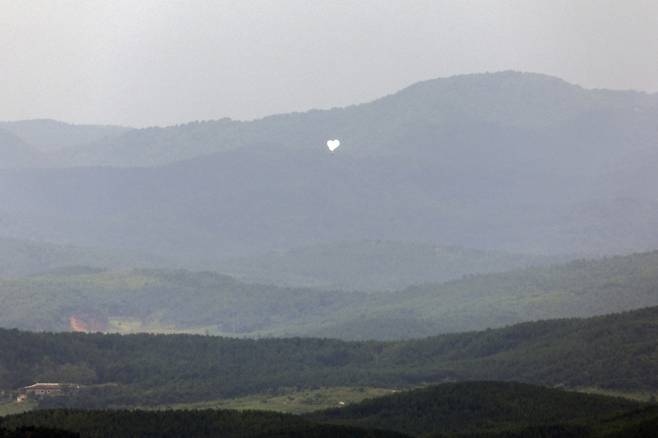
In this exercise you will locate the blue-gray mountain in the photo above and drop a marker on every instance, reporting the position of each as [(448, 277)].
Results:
[(50, 135), (507, 161)]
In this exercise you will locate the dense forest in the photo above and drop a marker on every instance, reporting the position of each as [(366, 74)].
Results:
[(166, 301), (36, 432), (476, 406), (616, 351), (183, 424)]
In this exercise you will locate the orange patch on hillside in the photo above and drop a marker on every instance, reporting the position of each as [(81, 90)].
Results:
[(80, 325)]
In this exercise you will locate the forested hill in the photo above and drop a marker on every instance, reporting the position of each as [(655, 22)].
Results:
[(580, 288), (616, 351), (476, 406), (164, 301), (184, 424), (175, 301)]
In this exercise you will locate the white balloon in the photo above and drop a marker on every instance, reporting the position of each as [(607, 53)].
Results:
[(333, 144)]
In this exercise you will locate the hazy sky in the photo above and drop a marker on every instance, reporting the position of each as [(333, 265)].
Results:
[(147, 62)]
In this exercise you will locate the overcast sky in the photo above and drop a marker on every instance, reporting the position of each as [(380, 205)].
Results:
[(157, 62)]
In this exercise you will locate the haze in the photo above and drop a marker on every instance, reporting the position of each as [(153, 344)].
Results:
[(160, 63)]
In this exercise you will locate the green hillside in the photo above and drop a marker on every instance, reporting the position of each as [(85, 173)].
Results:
[(178, 301), (476, 406), (580, 288), (614, 352), (285, 400), (163, 301)]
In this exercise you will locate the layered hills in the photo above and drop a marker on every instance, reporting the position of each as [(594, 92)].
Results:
[(166, 301)]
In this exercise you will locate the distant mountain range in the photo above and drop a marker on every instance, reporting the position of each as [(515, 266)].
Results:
[(360, 265), (15, 152), (440, 114), (47, 135), (506, 162), (374, 265), (27, 257), (41, 143)]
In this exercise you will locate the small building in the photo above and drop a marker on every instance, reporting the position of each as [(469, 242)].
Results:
[(46, 389), (42, 389)]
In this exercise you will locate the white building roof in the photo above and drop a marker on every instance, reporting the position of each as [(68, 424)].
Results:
[(43, 385)]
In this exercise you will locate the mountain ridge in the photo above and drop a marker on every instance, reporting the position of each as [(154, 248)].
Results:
[(49, 136), (163, 139), (443, 167)]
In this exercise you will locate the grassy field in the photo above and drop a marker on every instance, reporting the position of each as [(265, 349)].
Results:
[(294, 402), (630, 395), (11, 408), (127, 326)]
